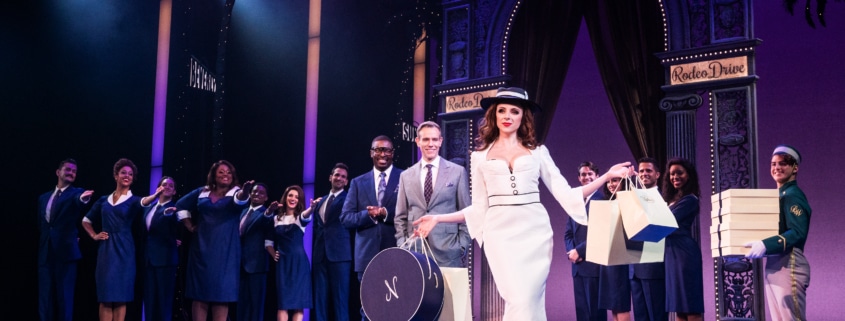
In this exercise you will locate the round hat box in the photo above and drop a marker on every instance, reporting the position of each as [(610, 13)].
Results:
[(399, 284)]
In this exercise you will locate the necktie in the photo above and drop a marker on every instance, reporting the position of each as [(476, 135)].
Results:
[(382, 185), (151, 214), (52, 201), (325, 207), (428, 185), (244, 220)]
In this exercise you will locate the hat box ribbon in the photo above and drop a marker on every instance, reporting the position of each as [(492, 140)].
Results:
[(399, 284)]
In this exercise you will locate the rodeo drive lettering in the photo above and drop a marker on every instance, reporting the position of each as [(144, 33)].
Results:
[(709, 70), (467, 101)]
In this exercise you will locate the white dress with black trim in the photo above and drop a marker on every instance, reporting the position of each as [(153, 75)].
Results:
[(507, 218)]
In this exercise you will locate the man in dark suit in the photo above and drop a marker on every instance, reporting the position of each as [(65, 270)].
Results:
[(648, 285), (157, 239), (370, 206), (331, 257), (59, 215), (585, 275), (437, 186), (254, 228)]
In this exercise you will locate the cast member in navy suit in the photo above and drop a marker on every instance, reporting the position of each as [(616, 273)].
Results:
[(59, 212), (648, 285), (331, 257), (370, 206), (254, 227), (116, 268), (585, 275), (159, 258)]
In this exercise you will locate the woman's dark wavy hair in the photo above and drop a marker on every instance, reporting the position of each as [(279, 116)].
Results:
[(300, 206), (623, 186), (123, 162), (671, 194), (488, 131), (212, 173)]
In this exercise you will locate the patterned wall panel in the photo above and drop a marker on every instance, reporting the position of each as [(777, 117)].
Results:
[(457, 44), (481, 24), (699, 23), (729, 20), (737, 287), (735, 143), (456, 141)]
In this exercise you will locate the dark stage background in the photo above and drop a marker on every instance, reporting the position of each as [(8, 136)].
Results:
[(78, 81)]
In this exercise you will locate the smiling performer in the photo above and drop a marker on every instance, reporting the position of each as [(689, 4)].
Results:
[(331, 257), (212, 213), (437, 186), (254, 227), (160, 237), (684, 276), (370, 206), (115, 272), (787, 269), (506, 216), (58, 246), (293, 273)]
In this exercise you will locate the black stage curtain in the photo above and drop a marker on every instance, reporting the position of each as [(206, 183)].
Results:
[(541, 45), (625, 35)]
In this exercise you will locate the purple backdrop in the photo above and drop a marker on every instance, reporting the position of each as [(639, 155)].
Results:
[(799, 97)]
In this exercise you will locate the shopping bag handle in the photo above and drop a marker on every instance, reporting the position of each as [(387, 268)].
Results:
[(411, 244), (637, 183)]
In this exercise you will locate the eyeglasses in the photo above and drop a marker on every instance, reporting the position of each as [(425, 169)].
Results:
[(382, 150)]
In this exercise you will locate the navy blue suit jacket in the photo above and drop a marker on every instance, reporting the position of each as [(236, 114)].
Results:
[(254, 257), (160, 240), (576, 238), (370, 236), (332, 241), (58, 239)]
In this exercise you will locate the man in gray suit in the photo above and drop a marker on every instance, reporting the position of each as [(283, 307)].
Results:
[(434, 186), (437, 186)]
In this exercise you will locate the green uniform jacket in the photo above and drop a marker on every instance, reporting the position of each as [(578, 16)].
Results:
[(794, 220)]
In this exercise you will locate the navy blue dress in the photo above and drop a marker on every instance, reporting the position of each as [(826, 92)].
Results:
[(293, 272), (614, 288), (214, 257), (115, 271), (684, 275)]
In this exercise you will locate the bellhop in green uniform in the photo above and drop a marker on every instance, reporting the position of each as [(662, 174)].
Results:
[(787, 271), (794, 220)]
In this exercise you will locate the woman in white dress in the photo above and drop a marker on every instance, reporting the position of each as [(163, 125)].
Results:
[(506, 216)]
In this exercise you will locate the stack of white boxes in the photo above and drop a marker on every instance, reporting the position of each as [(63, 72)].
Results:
[(746, 215)]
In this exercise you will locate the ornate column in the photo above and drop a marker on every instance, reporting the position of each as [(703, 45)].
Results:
[(710, 60), (680, 125), (733, 151)]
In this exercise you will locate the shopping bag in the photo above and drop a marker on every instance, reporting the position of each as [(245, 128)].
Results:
[(645, 216), (399, 284), (607, 243), (456, 300)]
